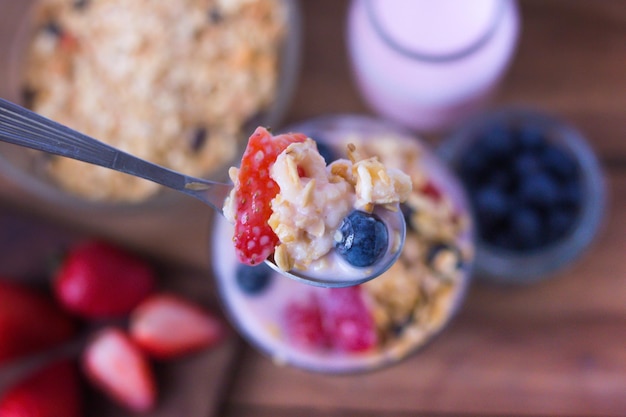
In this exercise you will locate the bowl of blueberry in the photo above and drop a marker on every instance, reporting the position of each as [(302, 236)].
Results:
[(536, 189)]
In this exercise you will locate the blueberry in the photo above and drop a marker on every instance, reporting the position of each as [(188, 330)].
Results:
[(492, 207), (198, 138), (502, 178), (497, 142), (491, 204), (29, 95), (53, 28), (526, 228), (253, 279), (327, 152), (559, 162), (473, 166), (215, 16), (539, 190), (439, 256), (559, 223), (502, 238), (530, 137), (362, 239), (570, 194), (527, 163)]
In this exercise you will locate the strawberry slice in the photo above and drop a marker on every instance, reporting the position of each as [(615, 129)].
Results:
[(99, 280), (120, 369), (52, 391), (254, 239), (30, 321), (166, 326)]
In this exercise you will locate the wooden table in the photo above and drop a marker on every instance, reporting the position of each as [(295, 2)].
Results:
[(557, 348)]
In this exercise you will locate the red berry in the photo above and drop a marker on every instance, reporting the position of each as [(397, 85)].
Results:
[(99, 280), (30, 321), (166, 326), (117, 366), (335, 318), (431, 190), (347, 320), (52, 391), (303, 323), (254, 239)]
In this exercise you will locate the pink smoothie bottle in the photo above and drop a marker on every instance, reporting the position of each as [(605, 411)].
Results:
[(427, 64)]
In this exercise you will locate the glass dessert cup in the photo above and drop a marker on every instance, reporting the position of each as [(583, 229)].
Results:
[(30, 170), (430, 279), (508, 266)]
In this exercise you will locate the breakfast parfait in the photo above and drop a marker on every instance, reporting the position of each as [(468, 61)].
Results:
[(172, 82), (287, 202), (361, 327)]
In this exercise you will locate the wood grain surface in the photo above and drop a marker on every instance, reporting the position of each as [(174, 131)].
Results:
[(557, 348)]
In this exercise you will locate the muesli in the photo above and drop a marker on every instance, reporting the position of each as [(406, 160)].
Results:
[(172, 82)]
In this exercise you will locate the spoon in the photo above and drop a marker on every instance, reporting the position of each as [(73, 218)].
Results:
[(22, 127)]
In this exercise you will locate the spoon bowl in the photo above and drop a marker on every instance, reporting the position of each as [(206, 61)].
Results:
[(23, 127)]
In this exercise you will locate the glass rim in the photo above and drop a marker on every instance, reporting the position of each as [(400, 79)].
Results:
[(417, 55)]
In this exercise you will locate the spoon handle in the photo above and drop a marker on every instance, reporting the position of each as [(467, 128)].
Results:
[(23, 127)]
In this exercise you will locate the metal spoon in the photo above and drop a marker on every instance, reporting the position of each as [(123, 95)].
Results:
[(23, 127)]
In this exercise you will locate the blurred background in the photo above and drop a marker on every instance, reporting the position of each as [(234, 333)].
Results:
[(553, 348)]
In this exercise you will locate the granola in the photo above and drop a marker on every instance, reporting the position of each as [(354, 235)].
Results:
[(414, 298), (309, 209), (172, 82)]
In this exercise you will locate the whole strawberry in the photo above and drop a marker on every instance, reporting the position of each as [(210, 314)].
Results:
[(98, 280), (53, 391), (30, 321)]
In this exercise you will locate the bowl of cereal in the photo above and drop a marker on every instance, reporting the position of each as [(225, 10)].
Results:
[(378, 323), (537, 191), (180, 84)]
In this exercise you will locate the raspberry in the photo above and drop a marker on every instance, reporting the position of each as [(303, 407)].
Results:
[(303, 323), (347, 321), (254, 239), (336, 319)]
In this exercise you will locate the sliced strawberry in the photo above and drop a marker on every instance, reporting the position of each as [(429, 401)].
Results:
[(303, 323), (166, 326), (100, 280), (254, 239), (347, 320), (53, 391), (120, 369), (30, 321)]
